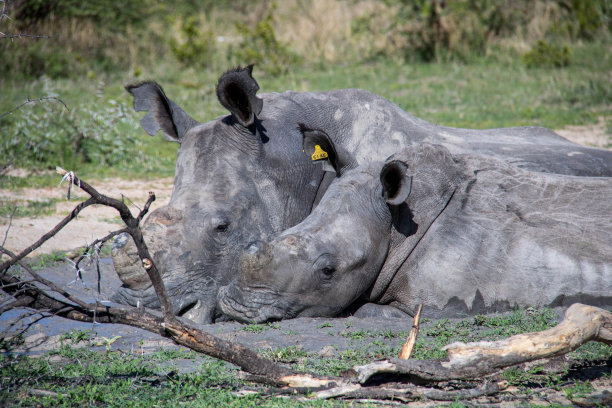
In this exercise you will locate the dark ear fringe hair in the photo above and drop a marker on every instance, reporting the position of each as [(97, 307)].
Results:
[(303, 128), (235, 71)]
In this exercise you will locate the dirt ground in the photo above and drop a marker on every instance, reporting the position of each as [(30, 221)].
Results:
[(95, 222)]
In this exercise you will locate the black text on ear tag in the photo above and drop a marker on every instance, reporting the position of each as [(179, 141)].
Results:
[(319, 154)]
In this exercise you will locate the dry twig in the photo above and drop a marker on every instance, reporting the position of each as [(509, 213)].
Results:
[(28, 100), (408, 346)]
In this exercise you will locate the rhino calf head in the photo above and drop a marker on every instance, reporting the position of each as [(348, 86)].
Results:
[(322, 265)]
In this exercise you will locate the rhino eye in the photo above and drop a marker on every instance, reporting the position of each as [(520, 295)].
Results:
[(222, 227), (328, 271)]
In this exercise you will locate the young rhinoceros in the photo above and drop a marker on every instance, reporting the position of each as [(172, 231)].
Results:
[(459, 234)]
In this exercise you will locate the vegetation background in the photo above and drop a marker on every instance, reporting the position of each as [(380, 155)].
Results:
[(467, 63)]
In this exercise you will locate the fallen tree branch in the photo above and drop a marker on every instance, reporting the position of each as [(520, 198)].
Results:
[(133, 229), (580, 325), (181, 332)]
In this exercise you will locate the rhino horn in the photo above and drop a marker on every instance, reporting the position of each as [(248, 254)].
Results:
[(127, 263), (257, 255)]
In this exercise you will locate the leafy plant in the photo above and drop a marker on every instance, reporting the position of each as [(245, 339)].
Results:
[(76, 336), (261, 47), (46, 135), (259, 328), (545, 54), (285, 354), (46, 260), (196, 47)]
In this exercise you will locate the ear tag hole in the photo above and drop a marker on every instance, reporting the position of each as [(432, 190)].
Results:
[(319, 154)]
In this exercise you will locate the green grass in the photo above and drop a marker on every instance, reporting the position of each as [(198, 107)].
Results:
[(47, 260), (31, 208), (81, 377), (258, 328)]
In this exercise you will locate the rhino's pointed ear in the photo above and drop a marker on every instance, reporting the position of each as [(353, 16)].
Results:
[(396, 182), (319, 147), (162, 113), (236, 91)]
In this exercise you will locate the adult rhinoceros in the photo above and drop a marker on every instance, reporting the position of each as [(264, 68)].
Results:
[(243, 177), (461, 234)]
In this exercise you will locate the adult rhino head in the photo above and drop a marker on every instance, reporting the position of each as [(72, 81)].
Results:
[(232, 186)]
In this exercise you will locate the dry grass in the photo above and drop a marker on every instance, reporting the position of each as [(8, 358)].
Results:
[(323, 29)]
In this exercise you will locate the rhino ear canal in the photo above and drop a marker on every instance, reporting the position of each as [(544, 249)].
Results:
[(319, 147), (162, 113), (236, 91), (396, 182)]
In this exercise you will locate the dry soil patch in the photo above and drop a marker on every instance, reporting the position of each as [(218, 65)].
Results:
[(93, 222)]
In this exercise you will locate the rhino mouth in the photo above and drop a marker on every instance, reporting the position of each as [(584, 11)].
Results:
[(195, 301), (252, 306)]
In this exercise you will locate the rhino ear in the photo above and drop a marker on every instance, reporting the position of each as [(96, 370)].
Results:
[(319, 147), (162, 113), (236, 91), (396, 182)]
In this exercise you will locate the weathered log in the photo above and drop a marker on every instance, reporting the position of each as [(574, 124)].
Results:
[(580, 325)]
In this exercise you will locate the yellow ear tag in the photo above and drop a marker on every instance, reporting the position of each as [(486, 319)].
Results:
[(319, 154)]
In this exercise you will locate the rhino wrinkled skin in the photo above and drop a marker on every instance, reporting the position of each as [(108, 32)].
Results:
[(460, 233), (243, 178)]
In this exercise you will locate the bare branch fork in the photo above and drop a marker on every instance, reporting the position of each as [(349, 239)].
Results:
[(133, 229), (3, 15), (28, 100), (466, 361)]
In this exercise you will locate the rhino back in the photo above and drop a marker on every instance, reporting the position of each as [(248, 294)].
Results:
[(511, 237), (369, 127)]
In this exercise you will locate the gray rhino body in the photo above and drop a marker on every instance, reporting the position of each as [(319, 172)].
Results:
[(243, 177), (461, 234)]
